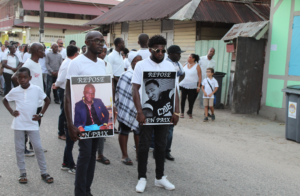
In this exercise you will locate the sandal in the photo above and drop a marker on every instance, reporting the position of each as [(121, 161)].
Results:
[(103, 160), (23, 179), (47, 178), (127, 161), (190, 116), (181, 115)]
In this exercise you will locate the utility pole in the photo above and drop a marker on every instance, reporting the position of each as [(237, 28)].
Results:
[(42, 14)]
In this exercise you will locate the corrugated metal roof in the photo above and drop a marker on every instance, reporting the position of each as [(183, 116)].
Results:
[(207, 11), (138, 10), (228, 12), (249, 29)]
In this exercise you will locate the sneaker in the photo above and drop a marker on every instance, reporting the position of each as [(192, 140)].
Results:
[(151, 149), (140, 187), (164, 183), (64, 167), (72, 170), (28, 154), (205, 119), (213, 117)]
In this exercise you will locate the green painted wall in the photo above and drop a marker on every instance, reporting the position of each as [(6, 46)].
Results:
[(297, 5), (274, 94), (280, 34), (79, 38), (276, 1), (293, 83), (222, 58)]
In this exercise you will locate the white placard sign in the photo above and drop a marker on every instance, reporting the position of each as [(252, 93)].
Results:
[(292, 110)]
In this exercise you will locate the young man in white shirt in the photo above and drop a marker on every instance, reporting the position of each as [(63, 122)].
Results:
[(155, 62), (116, 60), (143, 42), (209, 88), (68, 161), (85, 64), (33, 65), (27, 98), (61, 49), (206, 62)]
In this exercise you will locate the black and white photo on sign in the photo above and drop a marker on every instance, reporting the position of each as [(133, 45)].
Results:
[(92, 106), (158, 97)]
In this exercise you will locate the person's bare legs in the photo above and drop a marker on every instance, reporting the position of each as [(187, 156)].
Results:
[(206, 111), (123, 140), (211, 109)]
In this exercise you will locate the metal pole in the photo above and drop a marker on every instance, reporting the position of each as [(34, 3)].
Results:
[(41, 20)]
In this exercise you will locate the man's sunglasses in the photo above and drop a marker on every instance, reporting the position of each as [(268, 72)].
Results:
[(98, 41), (159, 50)]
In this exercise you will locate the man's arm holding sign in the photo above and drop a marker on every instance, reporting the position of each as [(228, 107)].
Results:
[(73, 131)]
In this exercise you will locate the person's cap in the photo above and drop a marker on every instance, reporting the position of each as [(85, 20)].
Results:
[(132, 55), (175, 49)]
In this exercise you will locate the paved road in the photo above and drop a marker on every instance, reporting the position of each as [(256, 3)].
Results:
[(235, 155)]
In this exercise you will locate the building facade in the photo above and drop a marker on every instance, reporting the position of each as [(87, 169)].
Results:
[(19, 19), (282, 66)]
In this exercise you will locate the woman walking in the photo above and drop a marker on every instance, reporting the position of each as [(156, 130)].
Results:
[(11, 64), (190, 85)]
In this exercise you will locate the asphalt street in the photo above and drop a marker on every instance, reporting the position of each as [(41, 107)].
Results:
[(235, 155)]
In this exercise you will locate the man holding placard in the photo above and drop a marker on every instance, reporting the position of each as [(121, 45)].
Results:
[(155, 63), (84, 65)]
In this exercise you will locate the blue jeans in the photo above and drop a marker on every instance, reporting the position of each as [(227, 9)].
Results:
[(50, 81), (68, 156), (62, 122)]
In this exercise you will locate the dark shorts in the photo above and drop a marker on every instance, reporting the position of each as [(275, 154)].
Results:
[(125, 130)]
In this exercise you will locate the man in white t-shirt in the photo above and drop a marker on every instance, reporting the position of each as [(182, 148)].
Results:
[(2, 83), (155, 62), (116, 60), (85, 64), (143, 42), (206, 62), (61, 49), (42, 62), (68, 161)]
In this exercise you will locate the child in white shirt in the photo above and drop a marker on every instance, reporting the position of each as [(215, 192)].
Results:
[(209, 87), (26, 97)]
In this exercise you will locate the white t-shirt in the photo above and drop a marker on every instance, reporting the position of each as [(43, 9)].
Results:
[(82, 65), (108, 68), (62, 73), (63, 53), (149, 65), (27, 102), (26, 56), (126, 63), (19, 55), (42, 62), (117, 63), (213, 82), (11, 61), (144, 53), (204, 64)]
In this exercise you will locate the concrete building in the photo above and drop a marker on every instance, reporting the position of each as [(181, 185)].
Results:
[(19, 19), (282, 66)]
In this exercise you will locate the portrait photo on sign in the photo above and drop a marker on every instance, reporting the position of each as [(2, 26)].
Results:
[(158, 97), (92, 106)]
